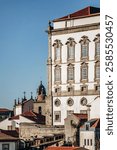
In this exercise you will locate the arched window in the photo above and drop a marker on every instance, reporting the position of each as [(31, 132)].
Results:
[(84, 47), (57, 73), (70, 49)]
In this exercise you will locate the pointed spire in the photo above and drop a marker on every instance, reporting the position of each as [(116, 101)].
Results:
[(31, 95), (15, 102), (18, 100), (24, 95)]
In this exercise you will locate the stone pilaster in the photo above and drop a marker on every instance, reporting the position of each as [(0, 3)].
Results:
[(49, 112)]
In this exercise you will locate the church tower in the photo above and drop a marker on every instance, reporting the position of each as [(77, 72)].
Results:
[(39, 102)]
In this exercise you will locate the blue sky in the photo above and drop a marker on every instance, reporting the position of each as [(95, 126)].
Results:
[(23, 43)]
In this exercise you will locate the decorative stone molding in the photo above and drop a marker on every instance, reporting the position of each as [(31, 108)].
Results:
[(83, 101), (57, 47), (57, 102), (85, 67), (97, 46), (80, 28), (84, 46), (70, 102), (97, 66), (70, 70), (71, 49)]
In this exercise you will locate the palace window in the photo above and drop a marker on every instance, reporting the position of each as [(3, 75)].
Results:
[(57, 53), (57, 73), (84, 47), (70, 72), (97, 70), (57, 50), (84, 71), (97, 45), (84, 50), (70, 49)]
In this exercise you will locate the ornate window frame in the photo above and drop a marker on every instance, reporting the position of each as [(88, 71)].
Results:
[(83, 101), (70, 102), (70, 44), (57, 68), (97, 41), (70, 70), (57, 44), (57, 102), (97, 65), (84, 42), (84, 65), (59, 114)]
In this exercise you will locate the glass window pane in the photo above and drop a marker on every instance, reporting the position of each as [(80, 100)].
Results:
[(97, 72), (71, 52), (57, 74), (70, 74), (57, 53), (84, 73), (84, 50), (97, 49)]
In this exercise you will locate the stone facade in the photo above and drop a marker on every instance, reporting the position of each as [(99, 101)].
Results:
[(31, 130), (73, 66)]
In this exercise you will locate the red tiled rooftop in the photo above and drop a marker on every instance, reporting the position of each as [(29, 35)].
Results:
[(62, 148), (96, 124), (95, 121), (88, 11), (8, 135), (14, 117), (81, 116), (4, 110)]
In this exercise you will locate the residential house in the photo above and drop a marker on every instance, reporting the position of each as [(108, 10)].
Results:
[(90, 134)]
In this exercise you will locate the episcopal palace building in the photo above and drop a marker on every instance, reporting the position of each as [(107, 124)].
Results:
[(74, 65)]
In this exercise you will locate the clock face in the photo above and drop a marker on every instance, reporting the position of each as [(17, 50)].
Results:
[(83, 101)]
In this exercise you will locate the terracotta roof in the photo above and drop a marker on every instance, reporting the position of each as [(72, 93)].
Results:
[(31, 116), (94, 123), (4, 110), (81, 116), (8, 135), (88, 11), (61, 148), (14, 117)]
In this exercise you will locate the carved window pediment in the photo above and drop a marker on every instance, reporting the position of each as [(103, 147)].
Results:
[(57, 50), (84, 47)]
